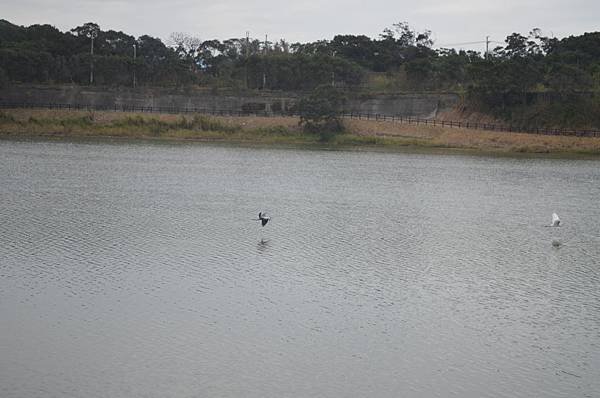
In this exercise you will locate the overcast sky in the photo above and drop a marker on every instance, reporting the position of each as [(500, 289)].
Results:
[(451, 21)]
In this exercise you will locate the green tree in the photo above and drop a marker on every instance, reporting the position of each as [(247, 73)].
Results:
[(420, 73), (3, 78), (86, 30), (564, 78), (320, 112)]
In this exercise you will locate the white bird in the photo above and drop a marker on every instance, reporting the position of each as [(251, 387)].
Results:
[(263, 218), (555, 220)]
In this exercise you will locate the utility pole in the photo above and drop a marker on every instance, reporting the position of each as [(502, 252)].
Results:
[(333, 72), (247, 43), (247, 54), (264, 60), (487, 46), (92, 35), (134, 54)]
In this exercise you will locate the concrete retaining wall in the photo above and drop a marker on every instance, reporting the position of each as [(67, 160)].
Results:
[(406, 105)]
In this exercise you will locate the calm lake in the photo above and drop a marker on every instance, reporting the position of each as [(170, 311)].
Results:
[(139, 270)]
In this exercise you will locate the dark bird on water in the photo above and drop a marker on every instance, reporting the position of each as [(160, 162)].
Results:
[(263, 218)]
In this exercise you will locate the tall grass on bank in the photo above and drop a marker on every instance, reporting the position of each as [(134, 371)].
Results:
[(278, 131), (7, 118), (157, 126), (79, 123), (91, 123)]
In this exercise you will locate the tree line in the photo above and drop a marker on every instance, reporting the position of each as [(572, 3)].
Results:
[(526, 63), (524, 69)]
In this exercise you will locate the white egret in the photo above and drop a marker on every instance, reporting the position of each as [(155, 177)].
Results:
[(555, 220)]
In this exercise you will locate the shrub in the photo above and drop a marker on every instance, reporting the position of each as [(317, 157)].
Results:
[(320, 112)]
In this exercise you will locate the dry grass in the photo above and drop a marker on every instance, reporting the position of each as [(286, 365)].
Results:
[(476, 139), (278, 130), (106, 117)]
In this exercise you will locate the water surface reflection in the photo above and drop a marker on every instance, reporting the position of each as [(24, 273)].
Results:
[(136, 270)]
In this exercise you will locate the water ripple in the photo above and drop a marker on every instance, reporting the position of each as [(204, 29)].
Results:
[(138, 270)]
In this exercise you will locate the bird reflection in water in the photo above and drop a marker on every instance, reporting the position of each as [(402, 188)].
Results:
[(262, 245)]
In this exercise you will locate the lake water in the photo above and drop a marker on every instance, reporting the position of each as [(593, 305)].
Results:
[(139, 270)]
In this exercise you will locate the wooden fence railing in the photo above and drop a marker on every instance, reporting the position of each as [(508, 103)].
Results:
[(476, 126), (350, 115)]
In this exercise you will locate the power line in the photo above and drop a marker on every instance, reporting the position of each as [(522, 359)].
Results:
[(463, 44), (471, 42)]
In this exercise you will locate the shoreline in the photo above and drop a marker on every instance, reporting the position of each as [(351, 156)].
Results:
[(283, 131)]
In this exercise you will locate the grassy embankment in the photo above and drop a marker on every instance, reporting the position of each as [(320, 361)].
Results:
[(276, 130)]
